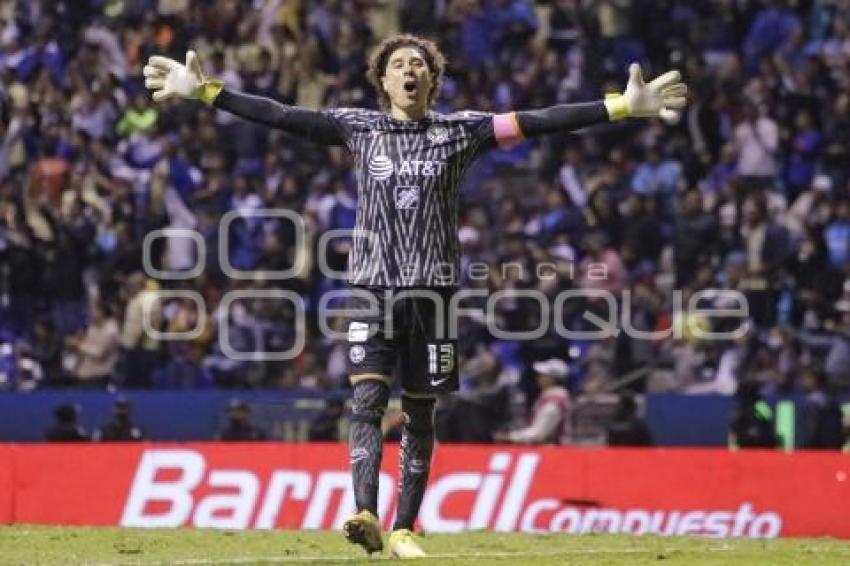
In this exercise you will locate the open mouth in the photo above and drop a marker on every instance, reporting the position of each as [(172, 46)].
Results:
[(410, 86)]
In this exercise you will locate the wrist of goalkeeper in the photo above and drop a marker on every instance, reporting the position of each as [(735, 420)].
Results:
[(209, 91), (617, 106)]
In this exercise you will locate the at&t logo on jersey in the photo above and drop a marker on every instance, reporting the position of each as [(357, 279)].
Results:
[(424, 167), (382, 167)]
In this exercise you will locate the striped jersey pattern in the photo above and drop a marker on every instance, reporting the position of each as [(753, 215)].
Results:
[(408, 174)]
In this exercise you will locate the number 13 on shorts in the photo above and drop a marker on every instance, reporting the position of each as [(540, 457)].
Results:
[(441, 358)]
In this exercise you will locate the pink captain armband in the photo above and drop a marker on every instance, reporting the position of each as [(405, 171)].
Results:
[(506, 130)]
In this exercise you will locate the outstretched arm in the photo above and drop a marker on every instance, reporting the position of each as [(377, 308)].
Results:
[(661, 98), (308, 124), (170, 79)]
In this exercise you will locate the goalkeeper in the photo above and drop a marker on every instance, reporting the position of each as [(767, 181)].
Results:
[(409, 161)]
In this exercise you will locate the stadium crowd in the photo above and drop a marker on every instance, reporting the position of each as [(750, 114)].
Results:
[(749, 192)]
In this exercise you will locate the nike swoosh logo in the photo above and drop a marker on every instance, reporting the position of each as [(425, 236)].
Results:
[(436, 382)]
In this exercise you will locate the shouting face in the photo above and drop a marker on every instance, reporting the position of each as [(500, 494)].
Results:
[(407, 81)]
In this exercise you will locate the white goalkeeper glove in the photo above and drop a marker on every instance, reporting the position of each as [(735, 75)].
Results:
[(662, 98), (168, 79)]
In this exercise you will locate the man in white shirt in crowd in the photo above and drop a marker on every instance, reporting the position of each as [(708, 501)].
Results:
[(757, 141), (551, 417)]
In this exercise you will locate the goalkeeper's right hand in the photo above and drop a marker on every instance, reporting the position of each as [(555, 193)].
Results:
[(168, 79)]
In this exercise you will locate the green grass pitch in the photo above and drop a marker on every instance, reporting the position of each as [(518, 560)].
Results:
[(36, 545)]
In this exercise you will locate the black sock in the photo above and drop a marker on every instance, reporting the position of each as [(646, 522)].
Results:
[(366, 441), (417, 445)]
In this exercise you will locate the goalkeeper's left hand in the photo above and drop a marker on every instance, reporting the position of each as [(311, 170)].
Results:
[(661, 98)]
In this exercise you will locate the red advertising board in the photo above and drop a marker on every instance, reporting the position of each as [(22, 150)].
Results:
[(307, 486), (6, 492)]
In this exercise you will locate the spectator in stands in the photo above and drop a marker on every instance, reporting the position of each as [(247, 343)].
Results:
[(29, 374), (140, 348), (803, 153), (752, 422), (47, 351), (239, 427), (600, 365), (185, 368), (695, 237), (820, 415), (837, 237), (768, 246), (757, 140), (66, 428), (482, 405), (140, 117), (836, 345), (656, 176), (9, 139), (627, 428), (774, 26), (94, 353), (811, 207), (551, 418), (602, 268), (120, 427)]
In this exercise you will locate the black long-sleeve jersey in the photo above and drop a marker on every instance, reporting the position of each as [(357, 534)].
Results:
[(408, 177)]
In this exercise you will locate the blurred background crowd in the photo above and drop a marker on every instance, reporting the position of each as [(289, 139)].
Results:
[(749, 192)]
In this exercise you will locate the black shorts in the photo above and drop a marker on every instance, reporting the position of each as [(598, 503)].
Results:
[(403, 332)]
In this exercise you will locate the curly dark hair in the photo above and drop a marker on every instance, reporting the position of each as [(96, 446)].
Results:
[(380, 56)]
